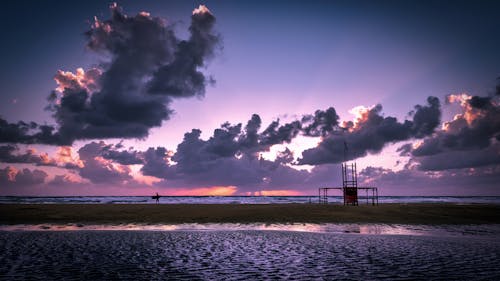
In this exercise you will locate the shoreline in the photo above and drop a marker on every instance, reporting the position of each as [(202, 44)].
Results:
[(388, 213)]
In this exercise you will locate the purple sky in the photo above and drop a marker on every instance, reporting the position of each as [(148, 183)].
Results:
[(249, 97)]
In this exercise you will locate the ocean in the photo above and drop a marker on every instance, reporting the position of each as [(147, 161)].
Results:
[(238, 199)]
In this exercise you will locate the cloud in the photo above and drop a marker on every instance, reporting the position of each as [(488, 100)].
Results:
[(460, 159), (321, 123), (426, 118), (64, 157), (11, 176), (471, 139), (123, 157), (22, 132), (219, 161), (497, 88), (181, 77), (8, 155), (66, 180), (230, 157), (157, 163), (276, 134), (145, 67), (475, 181), (79, 80), (371, 132), (97, 169)]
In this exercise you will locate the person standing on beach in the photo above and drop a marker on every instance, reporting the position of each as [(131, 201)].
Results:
[(157, 198)]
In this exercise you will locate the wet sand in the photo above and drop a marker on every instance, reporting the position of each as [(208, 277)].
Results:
[(243, 255), (428, 214)]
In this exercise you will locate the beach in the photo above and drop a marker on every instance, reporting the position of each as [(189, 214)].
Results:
[(249, 241), (243, 255), (427, 214)]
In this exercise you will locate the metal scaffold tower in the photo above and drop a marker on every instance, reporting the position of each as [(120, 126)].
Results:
[(350, 186)]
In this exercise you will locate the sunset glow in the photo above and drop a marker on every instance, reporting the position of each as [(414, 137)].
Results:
[(205, 191), (237, 98)]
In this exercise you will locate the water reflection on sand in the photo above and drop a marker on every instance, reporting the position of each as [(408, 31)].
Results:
[(204, 254), (370, 229)]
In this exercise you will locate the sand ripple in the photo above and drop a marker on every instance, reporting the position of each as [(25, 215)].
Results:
[(243, 255)]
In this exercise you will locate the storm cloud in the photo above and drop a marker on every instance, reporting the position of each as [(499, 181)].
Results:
[(410, 181), (231, 156), (9, 154), (22, 132), (370, 133), (97, 169), (63, 157), (145, 67), (10, 176), (471, 139), (123, 157), (321, 123)]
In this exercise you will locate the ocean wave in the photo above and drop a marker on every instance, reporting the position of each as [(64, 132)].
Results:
[(239, 199)]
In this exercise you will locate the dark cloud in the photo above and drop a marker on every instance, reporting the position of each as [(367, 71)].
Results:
[(249, 140), (321, 123), (371, 133), (9, 154), (229, 157), (97, 169), (469, 140), (276, 134), (62, 159), (145, 68), (156, 163), (475, 128), (22, 132), (457, 159), (248, 174), (426, 118), (224, 142), (10, 176), (181, 77), (123, 157), (480, 102), (497, 92), (479, 181), (60, 180), (284, 157), (405, 149), (227, 146)]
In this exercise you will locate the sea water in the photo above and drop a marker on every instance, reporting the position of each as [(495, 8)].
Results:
[(238, 199)]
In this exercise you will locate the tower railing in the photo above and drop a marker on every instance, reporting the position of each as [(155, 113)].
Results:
[(350, 188)]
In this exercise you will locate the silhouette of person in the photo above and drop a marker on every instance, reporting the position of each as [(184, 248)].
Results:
[(157, 198)]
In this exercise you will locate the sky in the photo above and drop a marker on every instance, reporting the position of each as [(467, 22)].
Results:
[(249, 97)]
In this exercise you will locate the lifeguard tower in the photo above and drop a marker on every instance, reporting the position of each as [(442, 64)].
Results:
[(350, 184), (350, 189)]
